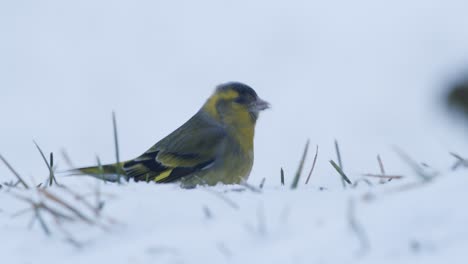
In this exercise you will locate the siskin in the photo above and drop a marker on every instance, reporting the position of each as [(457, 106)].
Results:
[(214, 146)]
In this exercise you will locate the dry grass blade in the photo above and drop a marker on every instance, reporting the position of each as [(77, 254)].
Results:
[(381, 166), (82, 199), (14, 172), (383, 177), (414, 165), (460, 161), (389, 177), (382, 170), (59, 211), (301, 166), (250, 187), (116, 143), (72, 209), (344, 178), (458, 157), (39, 205), (55, 213), (49, 166), (313, 165)]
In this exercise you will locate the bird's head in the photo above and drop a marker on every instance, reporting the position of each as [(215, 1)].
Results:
[(235, 101)]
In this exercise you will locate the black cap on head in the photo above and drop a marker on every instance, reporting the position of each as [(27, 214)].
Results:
[(236, 93), (242, 89)]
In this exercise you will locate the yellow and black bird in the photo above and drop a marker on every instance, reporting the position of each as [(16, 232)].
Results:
[(215, 146)]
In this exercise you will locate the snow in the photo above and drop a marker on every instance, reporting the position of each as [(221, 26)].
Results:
[(371, 74), (169, 225)]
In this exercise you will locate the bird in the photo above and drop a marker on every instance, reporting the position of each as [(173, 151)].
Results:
[(216, 145)]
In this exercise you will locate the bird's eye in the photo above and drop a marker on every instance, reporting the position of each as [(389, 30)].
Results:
[(241, 100)]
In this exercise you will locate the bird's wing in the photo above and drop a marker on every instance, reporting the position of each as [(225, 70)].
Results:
[(190, 148)]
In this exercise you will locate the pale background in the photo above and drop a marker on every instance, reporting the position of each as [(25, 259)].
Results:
[(369, 73)]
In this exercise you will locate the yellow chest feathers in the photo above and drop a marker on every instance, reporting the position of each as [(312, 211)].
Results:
[(236, 119)]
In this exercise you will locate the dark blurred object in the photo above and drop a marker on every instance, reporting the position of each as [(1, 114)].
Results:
[(458, 96)]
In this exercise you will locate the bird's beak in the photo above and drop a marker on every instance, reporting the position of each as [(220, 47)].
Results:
[(260, 105)]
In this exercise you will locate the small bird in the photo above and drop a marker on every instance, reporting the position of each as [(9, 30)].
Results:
[(215, 146)]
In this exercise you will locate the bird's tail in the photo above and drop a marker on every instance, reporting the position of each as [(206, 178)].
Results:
[(108, 172)]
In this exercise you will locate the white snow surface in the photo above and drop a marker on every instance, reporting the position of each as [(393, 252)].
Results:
[(164, 224), (371, 74)]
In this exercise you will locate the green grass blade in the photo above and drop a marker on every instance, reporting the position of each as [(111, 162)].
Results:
[(49, 166), (340, 171), (301, 166), (282, 176), (340, 162), (116, 143)]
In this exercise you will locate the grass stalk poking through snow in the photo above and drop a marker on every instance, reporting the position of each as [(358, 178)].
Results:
[(262, 183), (381, 166), (116, 143), (301, 166), (282, 176), (424, 175), (249, 186), (101, 170), (344, 178), (313, 165), (14, 172), (382, 176), (340, 164), (460, 161), (50, 165)]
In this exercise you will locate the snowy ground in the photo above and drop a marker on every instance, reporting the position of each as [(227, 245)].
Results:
[(164, 224), (371, 74)]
